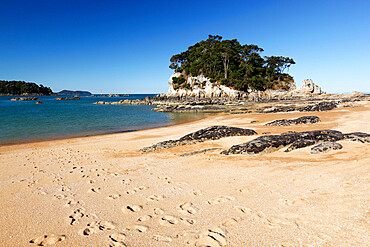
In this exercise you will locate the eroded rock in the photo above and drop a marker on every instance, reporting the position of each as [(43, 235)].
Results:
[(300, 120), (325, 147), (270, 143), (210, 133)]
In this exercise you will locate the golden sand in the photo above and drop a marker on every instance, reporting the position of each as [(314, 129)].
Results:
[(99, 191)]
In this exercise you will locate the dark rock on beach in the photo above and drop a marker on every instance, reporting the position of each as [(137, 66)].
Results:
[(325, 147), (357, 136), (300, 120), (198, 152), (270, 143), (322, 106), (210, 133)]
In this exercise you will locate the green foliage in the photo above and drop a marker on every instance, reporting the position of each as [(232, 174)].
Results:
[(232, 64), (180, 82), (21, 87)]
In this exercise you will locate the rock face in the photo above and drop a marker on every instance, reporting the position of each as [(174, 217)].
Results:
[(202, 87), (24, 99), (300, 120), (325, 147), (270, 143), (210, 133), (308, 87)]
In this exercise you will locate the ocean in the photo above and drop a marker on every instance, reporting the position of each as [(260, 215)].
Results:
[(25, 121)]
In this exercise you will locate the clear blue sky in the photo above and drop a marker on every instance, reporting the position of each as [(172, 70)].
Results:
[(125, 46)]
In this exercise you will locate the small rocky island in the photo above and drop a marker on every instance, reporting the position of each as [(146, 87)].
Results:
[(218, 75)]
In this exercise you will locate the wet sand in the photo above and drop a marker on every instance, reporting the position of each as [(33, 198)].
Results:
[(99, 191)]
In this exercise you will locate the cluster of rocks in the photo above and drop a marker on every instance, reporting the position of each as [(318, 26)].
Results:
[(321, 106), (67, 98), (145, 101), (110, 95), (210, 133), (271, 143), (24, 99), (300, 120)]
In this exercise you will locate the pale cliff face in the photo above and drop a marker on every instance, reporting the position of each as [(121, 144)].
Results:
[(202, 87)]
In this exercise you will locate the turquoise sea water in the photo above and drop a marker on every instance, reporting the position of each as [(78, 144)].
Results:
[(22, 121)]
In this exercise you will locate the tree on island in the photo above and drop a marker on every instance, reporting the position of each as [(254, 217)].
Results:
[(231, 64), (21, 87)]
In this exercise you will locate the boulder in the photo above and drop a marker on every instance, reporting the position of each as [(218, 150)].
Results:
[(325, 147)]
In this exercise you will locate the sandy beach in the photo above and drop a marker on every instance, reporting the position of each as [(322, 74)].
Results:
[(100, 191)]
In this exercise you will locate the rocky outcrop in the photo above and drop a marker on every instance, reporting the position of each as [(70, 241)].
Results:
[(198, 152), (210, 133), (24, 99), (300, 120), (270, 143), (357, 136), (321, 106), (67, 98), (325, 147), (308, 87), (145, 101), (202, 87)]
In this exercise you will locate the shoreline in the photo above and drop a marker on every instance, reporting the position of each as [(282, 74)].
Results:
[(86, 191), (108, 133)]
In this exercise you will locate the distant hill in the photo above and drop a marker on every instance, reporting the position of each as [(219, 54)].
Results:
[(68, 92), (23, 88)]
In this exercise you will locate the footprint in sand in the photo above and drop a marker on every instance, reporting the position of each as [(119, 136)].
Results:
[(210, 237), (244, 210), (97, 225), (60, 196), (144, 218), (168, 220), (77, 215), (161, 238), (220, 199), (135, 190), (158, 211), (187, 221), (131, 208), (197, 192), (140, 228), (48, 239), (96, 190), (154, 198), (114, 196), (72, 202), (126, 181), (117, 239), (231, 222), (187, 208)]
